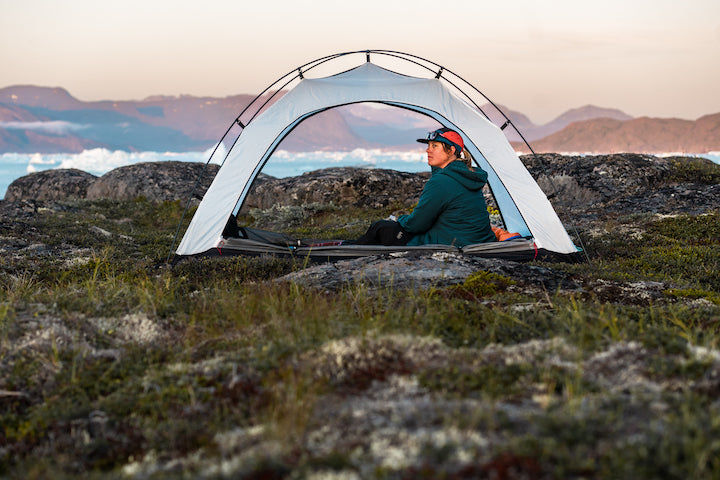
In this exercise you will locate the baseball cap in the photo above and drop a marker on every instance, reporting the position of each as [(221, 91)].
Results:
[(447, 136)]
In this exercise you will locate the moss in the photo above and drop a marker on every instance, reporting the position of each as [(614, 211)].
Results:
[(333, 461), (680, 293), (693, 265), (682, 250), (506, 381), (694, 230), (481, 284), (202, 271), (694, 170), (664, 368), (495, 381)]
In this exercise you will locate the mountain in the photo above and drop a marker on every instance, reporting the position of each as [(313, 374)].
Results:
[(23, 131), (638, 135), (531, 131), (52, 98), (587, 112), (520, 120), (183, 122), (386, 126), (327, 130), (29, 141), (50, 120), (42, 119), (12, 113)]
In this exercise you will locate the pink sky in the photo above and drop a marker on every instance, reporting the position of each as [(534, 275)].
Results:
[(658, 58)]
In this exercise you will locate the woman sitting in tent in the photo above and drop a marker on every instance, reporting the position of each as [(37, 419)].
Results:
[(451, 209)]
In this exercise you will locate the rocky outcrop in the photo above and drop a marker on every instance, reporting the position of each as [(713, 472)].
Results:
[(420, 270), (580, 186), (583, 187), (156, 181), (606, 176), (161, 181), (50, 185), (618, 182), (627, 183), (373, 188)]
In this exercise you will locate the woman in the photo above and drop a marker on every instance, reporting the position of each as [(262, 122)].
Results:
[(451, 209)]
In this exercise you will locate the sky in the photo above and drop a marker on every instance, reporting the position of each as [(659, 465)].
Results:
[(657, 58)]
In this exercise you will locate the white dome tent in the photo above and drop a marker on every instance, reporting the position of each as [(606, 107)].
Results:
[(247, 145)]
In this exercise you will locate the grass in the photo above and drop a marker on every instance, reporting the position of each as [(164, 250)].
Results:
[(114, 362), (683, 249)]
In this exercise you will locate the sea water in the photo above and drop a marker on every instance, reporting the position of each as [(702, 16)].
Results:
[(282, 164)]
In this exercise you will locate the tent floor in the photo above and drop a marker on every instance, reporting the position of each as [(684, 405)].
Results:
[(330, 251), (255, 242)]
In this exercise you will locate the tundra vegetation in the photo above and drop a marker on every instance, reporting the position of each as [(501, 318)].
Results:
[(115, 364)]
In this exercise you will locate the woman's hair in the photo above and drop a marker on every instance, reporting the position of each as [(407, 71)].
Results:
[(464, 156), (467, 159)]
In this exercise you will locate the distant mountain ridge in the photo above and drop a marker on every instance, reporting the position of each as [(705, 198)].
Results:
[(50, 120), (533, 132), (638, 135)]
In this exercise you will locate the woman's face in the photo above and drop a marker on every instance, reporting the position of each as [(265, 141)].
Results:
[(437, 156)]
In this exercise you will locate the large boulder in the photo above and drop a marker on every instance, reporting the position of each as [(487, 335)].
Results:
[(155, 181), (50, 185)]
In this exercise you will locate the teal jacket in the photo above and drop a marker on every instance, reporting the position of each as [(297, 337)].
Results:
[(451, 209)]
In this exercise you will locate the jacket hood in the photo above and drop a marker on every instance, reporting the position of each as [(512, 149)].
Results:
[(458, 171)]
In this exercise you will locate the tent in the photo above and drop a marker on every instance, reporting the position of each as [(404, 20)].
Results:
[(247, 146)]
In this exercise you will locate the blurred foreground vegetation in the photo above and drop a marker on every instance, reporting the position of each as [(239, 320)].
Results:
[(229, 350)]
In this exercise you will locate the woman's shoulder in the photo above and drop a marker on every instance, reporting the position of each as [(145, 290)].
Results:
[(440, 179), (459, 172)]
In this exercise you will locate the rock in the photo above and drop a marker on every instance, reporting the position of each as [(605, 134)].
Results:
[(584, 188), (423, 271), (156, 181), (50, 185), (100, 231), (598, 178), (374, 188), (626, 293), (581, 187)]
